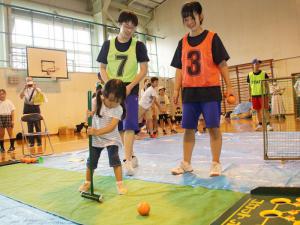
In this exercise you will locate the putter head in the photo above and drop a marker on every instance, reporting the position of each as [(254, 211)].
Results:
[(95, 197)]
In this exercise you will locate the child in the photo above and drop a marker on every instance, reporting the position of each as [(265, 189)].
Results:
[(178, 115), (200, 59), (164, 115), (254, 79), (107, 112), (149, 97), (7, 120)]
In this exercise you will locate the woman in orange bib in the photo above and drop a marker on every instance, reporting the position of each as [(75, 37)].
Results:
[(200, 62)]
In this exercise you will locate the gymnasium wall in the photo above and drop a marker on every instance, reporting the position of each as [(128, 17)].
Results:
[(67, 99), (267, 29)]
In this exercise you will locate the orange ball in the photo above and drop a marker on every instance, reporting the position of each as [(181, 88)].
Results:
[(27, 160), (22, 160), (231, 99), (143, 209), (33, 160)]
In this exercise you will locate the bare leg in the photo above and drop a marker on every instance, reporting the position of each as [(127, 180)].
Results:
[(118, 173), (88, 175), (10, 132), (215, 143), (128, 144), (259, 116), (161, 123), (150, 126), (188, 144)]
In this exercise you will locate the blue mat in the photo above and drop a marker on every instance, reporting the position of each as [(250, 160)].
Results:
[(13, 212), (242, 160)]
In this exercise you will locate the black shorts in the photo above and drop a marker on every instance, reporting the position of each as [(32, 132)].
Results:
[(164, 117), (6, 121), (178, 119), (113, 156)]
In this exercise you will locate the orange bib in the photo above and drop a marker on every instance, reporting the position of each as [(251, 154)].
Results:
[(198, 67)]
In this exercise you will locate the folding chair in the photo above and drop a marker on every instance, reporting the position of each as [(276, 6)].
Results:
[(29, 150)]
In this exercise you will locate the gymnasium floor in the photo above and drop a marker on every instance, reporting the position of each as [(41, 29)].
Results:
[(243, 169)]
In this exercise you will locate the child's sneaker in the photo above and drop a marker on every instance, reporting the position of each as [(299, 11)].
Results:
[(85, 187), (269, 127), (129, 171), (122, 190), (2, 156), (258, 128), (173, 131), (11, 149), (184, 167), (215, 169), (165, 132), (153, 135), (134, 162)]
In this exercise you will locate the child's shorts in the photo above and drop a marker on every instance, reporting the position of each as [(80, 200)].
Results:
[(164, 117), (211, 112), (6, 121), (145, 113), (257, 102), (113, 156)]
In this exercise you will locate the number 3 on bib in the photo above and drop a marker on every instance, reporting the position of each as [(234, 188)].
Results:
[(123, 59), (194, 58)]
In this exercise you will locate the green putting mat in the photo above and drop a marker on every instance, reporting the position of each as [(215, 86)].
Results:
[(56, 191)]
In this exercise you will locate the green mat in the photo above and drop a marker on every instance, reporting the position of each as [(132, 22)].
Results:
[(55, 191)]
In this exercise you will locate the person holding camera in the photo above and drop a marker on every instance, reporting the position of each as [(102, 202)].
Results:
[(28, 94)]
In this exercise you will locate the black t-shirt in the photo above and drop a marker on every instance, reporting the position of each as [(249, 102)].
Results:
[(141, 54), (219, 53)]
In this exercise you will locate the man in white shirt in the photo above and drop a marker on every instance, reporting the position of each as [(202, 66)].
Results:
[(148, 98)]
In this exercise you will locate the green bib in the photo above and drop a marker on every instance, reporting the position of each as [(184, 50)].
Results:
[(255, 83), (122, 65)]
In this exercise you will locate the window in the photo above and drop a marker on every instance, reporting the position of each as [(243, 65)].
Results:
[(38, 30)]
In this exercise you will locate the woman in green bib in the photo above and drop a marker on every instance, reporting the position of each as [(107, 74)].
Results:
[(126, 58)]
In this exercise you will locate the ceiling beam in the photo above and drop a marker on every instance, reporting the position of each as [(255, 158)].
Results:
[(130, 2), (125, 7)]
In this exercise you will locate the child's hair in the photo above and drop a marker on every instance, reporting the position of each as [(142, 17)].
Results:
[(126, 16), (188, 9), (2, 90), (115, 87), (153, 79), (148, 85)]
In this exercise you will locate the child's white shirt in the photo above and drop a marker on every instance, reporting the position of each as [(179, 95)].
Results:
[(112, 138), (148, 98), (6, 107)]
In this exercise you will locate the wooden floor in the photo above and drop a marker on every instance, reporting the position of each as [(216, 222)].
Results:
[(69, 143)]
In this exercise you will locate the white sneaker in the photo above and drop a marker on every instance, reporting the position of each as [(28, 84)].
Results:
[(215, 169), (269, 127), (85, 187), (258, 128), (184, 167), (134, 161), (129, 171)]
